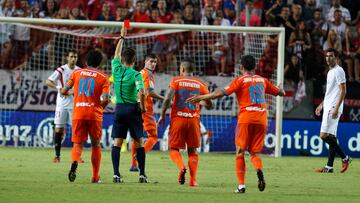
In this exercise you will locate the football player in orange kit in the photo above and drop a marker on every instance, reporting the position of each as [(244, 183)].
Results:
[(91, 95), (250, 90), (184, 119), (149, 120)]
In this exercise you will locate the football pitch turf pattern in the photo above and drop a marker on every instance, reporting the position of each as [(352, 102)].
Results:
[(28, 175)]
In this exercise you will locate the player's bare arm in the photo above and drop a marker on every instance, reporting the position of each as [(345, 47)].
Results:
[(213, 95), (165, 106), (153, 94), (342, 88), (142, 97), (120, 43), (52, 84), (319, 109)]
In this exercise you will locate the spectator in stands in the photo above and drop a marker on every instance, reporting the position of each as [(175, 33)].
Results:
[(282, 20), (220, 16), (36, 11), (77, 14), (308, 10), (122, 13), (315, 57), (296, 15), (333, 41), (51, 9), (177, 17), (7, 9), (300, 41), (164, 15), (229, 10), (338, 25), (188, 16), (70, 4), (173, 5), (140, 15), (63, 13), (352, 45), (254, 19), (218, 56), (105, 14), (293, 72), (273, 8), (207, 18), (345, 14), (154, 15), (21, 37)]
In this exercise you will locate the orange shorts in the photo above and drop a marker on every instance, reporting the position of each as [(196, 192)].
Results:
[(184, 131), (82, 128), (250, 136), (149, 123)]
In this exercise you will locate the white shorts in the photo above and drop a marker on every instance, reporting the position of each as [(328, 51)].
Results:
[(63, 117), (328, 124)]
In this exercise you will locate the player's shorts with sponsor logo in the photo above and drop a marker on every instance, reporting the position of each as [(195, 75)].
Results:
[(250, 136), (82, 128), (127, 117), (149, 123), (328, 124), (62, 117), (184, 131)]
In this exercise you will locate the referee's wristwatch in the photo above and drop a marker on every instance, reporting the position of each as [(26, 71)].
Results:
[(122, 37)]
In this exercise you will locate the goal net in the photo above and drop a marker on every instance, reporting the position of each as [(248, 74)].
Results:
[(27, 104)]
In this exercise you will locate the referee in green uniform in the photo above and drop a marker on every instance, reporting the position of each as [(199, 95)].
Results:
[(129, 86)]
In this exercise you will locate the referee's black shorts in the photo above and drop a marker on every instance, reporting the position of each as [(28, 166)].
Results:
[(127, 117)]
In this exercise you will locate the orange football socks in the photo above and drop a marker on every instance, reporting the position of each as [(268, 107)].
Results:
[(176, 158), (256, 161), (95, 160), (240, 169)]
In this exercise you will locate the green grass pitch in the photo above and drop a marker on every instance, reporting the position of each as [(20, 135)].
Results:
[(28, 175)]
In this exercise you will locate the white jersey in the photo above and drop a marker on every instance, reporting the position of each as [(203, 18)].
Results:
[(335, 77), (60, 76)]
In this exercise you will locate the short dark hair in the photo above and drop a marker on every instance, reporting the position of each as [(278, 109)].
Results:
[(128, 55), (248, 62), (188, 65), (333, 51), (94, 58), (151, 56), (318, 10), (71, 51)]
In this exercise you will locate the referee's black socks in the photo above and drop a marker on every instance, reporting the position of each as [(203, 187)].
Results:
[(140, 157), (115, 157)]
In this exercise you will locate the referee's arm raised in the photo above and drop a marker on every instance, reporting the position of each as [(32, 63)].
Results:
[(120, 43)]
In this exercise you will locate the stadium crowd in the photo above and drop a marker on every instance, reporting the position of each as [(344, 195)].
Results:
[(311, 27)]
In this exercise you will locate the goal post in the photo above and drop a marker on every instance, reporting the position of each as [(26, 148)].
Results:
[(235, 41)]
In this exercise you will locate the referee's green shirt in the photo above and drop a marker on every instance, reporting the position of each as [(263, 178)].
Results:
[(127, 82)]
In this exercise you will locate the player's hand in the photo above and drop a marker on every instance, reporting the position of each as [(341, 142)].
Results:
[(123, 31), (194, 99), (318, 110), (281, 90), (161, 121), (334, 114)]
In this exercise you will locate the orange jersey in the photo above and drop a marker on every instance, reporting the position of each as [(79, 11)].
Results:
[(250, 92), (148, 78), (89, 84), (186, 87)]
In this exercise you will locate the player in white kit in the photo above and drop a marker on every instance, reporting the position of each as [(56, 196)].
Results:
[(64, 105), (332, 107)]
